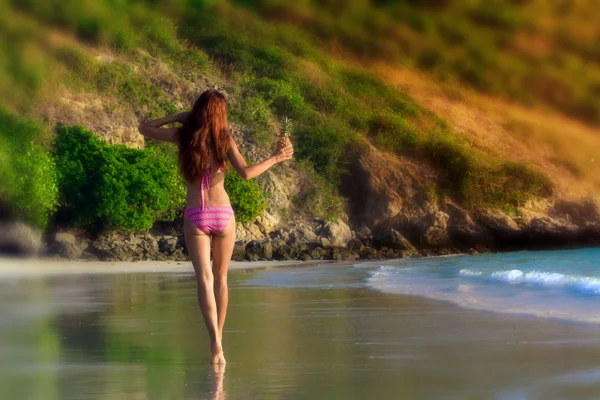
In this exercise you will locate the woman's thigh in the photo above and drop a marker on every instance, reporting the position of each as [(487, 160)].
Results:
[(198, 248), (222, 248)]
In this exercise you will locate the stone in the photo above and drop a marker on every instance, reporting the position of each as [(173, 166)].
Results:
[(337, 232), (355, 244), (238, 252), (318, 253), (64, 237), (369, 253), (391, 238), (19, 239), (435, 236), (497, 221), (325, 242), (302, 234), (167, 244), (263, 250), (282, 252)]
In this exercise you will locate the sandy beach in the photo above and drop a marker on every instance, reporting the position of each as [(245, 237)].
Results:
[(290, 333), (31, 267)]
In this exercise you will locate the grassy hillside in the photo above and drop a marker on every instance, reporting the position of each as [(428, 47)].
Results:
[(141, 59)]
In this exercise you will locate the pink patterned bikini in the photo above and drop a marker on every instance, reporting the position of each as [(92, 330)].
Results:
[(209, 219)]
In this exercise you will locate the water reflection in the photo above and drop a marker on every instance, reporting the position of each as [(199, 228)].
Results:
[(141, 336), (218, 375)]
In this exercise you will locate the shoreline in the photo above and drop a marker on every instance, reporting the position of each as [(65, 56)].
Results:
[(28, 267)]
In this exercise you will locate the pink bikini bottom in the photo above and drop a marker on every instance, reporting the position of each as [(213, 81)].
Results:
[(210, 219)]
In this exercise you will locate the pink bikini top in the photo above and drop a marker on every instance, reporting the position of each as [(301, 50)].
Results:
[(205, 184)]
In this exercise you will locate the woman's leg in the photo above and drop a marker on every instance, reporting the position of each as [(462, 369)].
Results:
[(222, 249), (198, 247)]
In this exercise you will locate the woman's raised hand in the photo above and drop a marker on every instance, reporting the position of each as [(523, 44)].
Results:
[(284, 153)]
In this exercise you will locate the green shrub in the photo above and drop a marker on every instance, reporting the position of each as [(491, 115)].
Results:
[(28, 182), (113, 186), (253, 111), (247, 199)]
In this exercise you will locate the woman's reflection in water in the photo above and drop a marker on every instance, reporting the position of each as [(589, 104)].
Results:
[(218, 374)]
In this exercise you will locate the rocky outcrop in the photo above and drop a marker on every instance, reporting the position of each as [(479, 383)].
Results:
[(337, 232), (66, 245), (19, 239)]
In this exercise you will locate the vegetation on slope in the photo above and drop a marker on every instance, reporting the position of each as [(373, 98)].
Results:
[(271, 69)]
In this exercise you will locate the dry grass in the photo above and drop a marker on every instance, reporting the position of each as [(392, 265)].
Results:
[(566, 149)]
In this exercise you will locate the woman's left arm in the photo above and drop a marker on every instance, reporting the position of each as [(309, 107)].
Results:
[(153, 130)]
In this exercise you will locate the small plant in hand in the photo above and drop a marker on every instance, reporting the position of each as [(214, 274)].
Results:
[(283, 136)]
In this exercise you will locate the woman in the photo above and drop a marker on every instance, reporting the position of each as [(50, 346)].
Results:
[(205, 145)]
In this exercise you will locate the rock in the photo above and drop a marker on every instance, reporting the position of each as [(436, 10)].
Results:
[(325, 242), (435, 236), (263, 250), (337, 254), (305, 257), (19, 239), (238, 252), (88, 256), (369, 253), (497, 221), (393, 239), (167, 244), (64, 244), (267, 222), (283, 252), (64, 237), (249, 231), (318, 253), (364, 231), (337, 232), (302, 234), (355, 244)]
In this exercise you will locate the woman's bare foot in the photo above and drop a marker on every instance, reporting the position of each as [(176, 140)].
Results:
[(217, 353)]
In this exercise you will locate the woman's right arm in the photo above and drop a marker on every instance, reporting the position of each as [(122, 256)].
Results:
[(251, 171)]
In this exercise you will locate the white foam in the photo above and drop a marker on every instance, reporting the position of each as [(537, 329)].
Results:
[(512, 276), (536, 293), (469, 272)]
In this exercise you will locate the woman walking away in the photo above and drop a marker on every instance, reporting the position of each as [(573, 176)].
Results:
[(205, 144)]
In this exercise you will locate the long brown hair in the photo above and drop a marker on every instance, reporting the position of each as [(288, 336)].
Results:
[(205, 132)]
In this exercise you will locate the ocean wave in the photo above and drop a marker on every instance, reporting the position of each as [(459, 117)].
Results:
[(550, 280), (469, 272), (587, 285)]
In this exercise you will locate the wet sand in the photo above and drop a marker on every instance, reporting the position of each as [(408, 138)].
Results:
[(139, 335), (22, 267)]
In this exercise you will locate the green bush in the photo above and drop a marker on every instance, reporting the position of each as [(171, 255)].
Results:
[(247, 200), (28, 182), (114, 186)]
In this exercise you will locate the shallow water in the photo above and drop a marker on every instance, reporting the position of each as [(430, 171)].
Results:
[(288, 335)]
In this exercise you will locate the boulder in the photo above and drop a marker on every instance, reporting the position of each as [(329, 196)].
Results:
[(318, 253), (393, 239), (238, 251), (261, 249), (19, 239), (355, 244), (167, 244), (497, 221), (64, 244), (337, 232), (302, 234)]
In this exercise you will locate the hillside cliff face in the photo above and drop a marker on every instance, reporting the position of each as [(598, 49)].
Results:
[(400, 142), (392, 201)]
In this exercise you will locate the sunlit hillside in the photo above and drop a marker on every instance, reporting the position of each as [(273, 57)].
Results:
[(499, 98)]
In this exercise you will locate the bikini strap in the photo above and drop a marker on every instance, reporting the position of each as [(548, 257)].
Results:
[(204, 185)]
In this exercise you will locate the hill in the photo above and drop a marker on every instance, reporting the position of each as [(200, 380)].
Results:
[(444, 122)]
